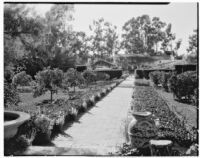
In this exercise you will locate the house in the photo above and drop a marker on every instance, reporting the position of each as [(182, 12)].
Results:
[(103, 64)]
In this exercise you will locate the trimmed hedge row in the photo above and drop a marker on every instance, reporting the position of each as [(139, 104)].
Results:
[(144, 73), (183, 86), (115, 73)]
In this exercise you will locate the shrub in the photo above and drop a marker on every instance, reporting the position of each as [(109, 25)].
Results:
[(21, 79), (89, 76), (155, 77), (11, 97), (165, 76), (183, 85), (101, 76), (24, 137), (48, 80), (44, 126)]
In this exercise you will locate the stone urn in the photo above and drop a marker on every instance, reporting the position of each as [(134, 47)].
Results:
[(12, 120), (141, 129)]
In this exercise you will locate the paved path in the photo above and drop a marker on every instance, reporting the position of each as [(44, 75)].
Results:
[(100, 130)]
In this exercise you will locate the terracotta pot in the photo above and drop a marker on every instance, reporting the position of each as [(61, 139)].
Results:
[(141, 129)]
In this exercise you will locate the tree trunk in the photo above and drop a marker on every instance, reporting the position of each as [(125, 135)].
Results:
[(74, 88), (51, 96)]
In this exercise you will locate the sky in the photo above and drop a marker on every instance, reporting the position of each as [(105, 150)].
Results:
[(182, 16)]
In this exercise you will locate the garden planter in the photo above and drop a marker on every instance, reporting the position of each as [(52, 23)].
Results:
[(84, 105), (12, 120), (105, 91), (141, 129), (92, 99)]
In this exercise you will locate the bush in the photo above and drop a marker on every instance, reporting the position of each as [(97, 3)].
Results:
[(183, 85), (23, 139), (165, 76), (21, 79), (155, 77), (101, 76), (89, 76), (11, 97), (44, 127)]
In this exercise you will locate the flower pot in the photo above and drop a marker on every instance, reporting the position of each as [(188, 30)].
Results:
[(12, 120), (141, 129)]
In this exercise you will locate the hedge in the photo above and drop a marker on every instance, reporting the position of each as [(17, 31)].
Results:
[(184, 85), (115, 73), (144, 73), (183, 68)]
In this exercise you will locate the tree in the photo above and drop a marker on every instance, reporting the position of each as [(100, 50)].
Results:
[(104, 41), (72, 78), (17, 25), (168, 38), (177, 46), (132, 41), (193, 43), (21, 79), (48, 80), (141, 34)]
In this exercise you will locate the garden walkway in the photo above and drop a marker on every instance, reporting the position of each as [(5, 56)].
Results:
[(97, 132)]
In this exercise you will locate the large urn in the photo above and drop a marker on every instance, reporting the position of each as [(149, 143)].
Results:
[(12, 120), (141, 129)]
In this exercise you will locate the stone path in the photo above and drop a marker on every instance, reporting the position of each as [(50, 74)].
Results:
[(97, 132)]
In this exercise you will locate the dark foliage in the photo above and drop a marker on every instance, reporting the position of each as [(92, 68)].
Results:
[(112, 73)]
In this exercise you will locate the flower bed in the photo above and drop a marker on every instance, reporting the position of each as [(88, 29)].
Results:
[(145, 98)]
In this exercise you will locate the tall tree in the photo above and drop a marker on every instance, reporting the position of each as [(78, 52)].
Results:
[(168, 38), (104, 40), (141, 34)]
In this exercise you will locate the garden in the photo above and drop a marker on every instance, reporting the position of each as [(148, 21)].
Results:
[(55, 73), (64, 97), (146, 97)]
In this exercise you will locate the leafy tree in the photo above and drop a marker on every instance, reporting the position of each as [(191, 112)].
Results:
[(141, 34), (104, 40), (168, 38), (21, 79), (132, 41), (48, 80), (80, 46), (72, 78)]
